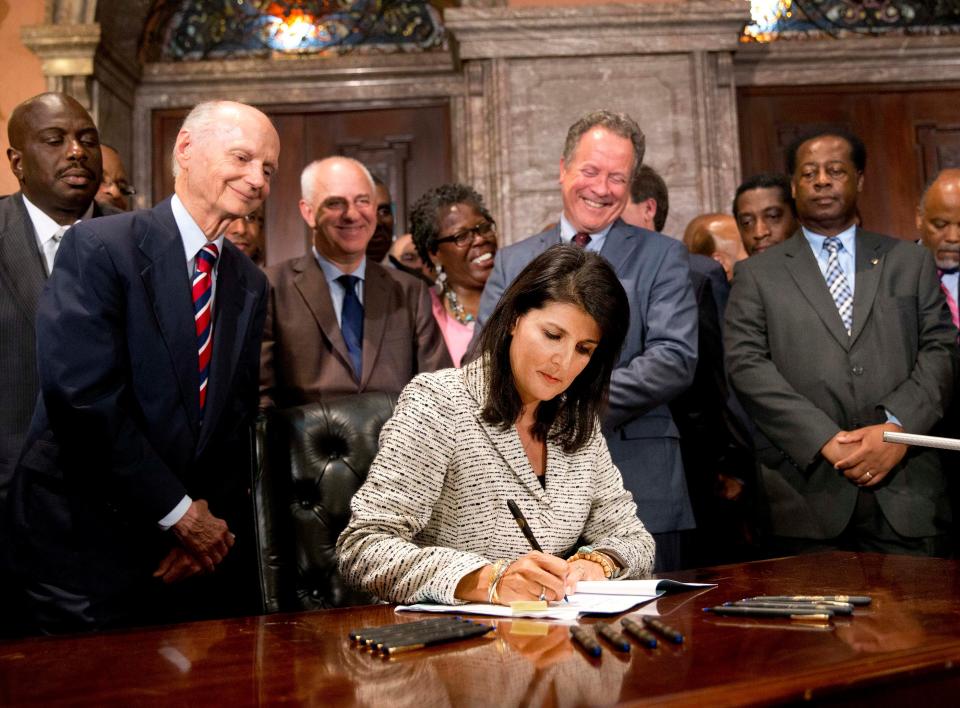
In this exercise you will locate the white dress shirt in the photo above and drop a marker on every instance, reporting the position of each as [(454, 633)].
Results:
[(47, 231), (193, 240)]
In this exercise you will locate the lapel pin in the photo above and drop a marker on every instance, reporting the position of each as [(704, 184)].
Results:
[(874, 261)]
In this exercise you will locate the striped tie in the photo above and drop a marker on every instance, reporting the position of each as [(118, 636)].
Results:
[(951, 301), (837, 282), (202, 291)]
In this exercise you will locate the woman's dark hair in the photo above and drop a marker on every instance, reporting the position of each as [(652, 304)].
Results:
[(563, 274), (425, 216)]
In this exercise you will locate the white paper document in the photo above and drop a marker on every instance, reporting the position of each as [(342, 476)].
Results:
[(592, 597), (651, 587)]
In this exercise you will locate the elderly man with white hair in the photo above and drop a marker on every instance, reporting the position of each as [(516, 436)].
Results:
[(130, 500), (338, 323)]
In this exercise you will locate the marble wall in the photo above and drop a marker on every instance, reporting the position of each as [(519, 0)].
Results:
[(542, 68), (518, 73)]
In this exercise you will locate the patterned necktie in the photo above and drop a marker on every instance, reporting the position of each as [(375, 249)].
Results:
[(951, 301), (837, 282), (51, 245), (581, 238), (202, 292), (351, 322)]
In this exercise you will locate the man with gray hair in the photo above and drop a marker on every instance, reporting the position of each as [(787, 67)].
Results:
[(338, 323), (602, 154), (130, 502)]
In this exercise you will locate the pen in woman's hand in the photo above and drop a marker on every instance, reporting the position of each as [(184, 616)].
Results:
[(524, 526), (525, 529)]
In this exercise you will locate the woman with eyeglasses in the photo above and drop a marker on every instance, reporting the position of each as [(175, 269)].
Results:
[(454, 232), (521, 424)]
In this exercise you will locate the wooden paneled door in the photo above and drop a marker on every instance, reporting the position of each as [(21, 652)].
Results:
[(910, 133), (407, 146)]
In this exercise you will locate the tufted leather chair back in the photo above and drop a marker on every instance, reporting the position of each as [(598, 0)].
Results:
[(311, 461)]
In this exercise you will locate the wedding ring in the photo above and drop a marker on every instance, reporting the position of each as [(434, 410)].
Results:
[(868, 476), (543, 592)]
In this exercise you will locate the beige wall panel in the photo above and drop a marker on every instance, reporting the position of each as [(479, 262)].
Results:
[(20, 73), (546, 97)]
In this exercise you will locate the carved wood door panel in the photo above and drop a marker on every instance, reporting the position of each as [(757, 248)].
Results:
[(910, 133)]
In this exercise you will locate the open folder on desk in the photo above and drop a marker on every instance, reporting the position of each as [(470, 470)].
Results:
[(601, 597)]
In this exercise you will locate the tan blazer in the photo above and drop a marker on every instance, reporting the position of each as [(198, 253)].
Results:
[(304, 357)]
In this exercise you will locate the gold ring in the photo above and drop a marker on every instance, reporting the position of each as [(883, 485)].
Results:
[(868, 476)]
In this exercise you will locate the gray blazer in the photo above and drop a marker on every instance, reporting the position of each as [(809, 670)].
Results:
[(657, 362), (802, 378), (434, 506)]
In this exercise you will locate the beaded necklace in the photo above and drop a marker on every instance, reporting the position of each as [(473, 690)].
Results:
[(461, 315)]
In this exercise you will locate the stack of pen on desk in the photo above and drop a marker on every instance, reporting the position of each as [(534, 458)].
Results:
[(639, 631), (804, 608), (397, 638)]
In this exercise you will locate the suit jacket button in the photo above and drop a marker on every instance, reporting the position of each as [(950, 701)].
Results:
[(857, 370)]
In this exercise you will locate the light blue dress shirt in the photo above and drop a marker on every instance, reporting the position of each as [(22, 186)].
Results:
[(846, 255), (331, 273), (567, 232)]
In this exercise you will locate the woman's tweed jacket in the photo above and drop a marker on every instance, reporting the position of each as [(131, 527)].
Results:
[(434, 506)]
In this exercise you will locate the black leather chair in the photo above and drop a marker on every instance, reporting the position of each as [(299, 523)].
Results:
[(310, 462)]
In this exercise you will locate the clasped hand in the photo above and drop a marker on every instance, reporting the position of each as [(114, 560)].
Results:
[(862, 455), (204, 542)]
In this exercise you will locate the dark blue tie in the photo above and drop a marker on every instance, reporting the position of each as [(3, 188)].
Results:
[(351, 322)]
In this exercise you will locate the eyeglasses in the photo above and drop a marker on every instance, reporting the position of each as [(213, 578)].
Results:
[(465, 237), (123, 187)]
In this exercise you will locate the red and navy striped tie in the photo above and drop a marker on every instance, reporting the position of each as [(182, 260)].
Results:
[(202, 290)]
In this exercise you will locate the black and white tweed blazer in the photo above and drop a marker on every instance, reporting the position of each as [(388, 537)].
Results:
[(434, 505)]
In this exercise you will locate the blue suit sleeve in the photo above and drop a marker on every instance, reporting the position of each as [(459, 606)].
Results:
[(665, 356), (84, 362), (493, 290)]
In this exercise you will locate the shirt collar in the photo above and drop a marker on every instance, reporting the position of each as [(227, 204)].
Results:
[(43, 225), (567, 230), (190, 233), (331, 272), (846, 238)]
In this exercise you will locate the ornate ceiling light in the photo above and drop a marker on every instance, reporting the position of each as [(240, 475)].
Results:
[(773, 19), (181, 30)]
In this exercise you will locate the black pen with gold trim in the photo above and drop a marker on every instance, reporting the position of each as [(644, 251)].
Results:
[(852, 599), (805, 615)]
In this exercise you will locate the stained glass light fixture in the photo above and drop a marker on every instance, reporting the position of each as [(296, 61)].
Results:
[(773, 19), (765, 16), (180, 30)]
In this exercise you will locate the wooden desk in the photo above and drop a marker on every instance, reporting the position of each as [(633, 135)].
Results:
[(906, 645)]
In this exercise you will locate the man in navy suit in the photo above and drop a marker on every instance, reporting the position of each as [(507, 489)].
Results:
[(603, 151), (715, 440), (129, 502)]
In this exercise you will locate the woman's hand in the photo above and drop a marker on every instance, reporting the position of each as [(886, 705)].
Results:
[(581, 569), (532, 577)]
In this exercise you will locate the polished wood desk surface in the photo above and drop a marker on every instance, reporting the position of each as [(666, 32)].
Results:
[(906, 644)]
